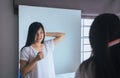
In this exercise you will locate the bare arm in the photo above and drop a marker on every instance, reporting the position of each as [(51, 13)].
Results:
[(58, 36), (26, 67)]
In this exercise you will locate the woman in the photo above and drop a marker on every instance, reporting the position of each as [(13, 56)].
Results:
[(36, 57), (104, 38)]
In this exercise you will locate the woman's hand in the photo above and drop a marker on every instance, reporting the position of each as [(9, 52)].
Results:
[(28, 67), (39, 56)]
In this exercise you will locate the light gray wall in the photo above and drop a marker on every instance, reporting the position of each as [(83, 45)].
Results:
[(8, 40), (88, 7)]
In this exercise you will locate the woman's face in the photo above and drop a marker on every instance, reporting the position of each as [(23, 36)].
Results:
[(39, 36)]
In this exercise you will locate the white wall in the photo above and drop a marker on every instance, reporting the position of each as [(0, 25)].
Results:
[(67, 52)]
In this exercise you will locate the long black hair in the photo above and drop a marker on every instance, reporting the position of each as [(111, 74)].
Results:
[(105, 28), (33, 28)]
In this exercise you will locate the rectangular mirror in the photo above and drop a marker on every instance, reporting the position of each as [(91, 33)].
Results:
[(67, 52)]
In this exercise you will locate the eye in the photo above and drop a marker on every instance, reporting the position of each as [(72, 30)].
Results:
[(37, 34), (41, 32)]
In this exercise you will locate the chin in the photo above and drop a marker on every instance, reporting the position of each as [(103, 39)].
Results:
[(38, 41)]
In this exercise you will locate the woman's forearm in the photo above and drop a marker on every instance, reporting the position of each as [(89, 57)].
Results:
[(55, 34), (28, 68), (58, 36)]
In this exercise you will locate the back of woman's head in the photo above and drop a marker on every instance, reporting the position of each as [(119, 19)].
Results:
[(105, 28), (33, 28)]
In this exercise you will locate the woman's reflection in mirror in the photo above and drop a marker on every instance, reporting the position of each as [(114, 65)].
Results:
[(36, 57)]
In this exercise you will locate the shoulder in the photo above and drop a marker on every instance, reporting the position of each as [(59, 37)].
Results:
[(25, 49), (49, 41), (89, 63), (87, 68), (25, 53), (49, 44)]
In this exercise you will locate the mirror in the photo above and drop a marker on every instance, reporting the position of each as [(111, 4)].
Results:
[(67, 51)]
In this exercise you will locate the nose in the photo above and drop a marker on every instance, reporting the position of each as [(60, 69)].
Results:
[(40, 36)]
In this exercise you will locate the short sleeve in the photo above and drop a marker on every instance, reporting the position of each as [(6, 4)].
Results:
[(24, 54), (49, 44)]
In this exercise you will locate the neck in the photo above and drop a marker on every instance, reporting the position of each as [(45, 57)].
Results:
[(37, 44)]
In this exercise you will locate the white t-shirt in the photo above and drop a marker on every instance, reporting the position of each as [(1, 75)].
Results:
[(44, 67)]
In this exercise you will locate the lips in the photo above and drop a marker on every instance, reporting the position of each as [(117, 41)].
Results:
[(39, 39)]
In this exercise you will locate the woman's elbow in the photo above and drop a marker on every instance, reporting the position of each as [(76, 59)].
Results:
[(24, 72)]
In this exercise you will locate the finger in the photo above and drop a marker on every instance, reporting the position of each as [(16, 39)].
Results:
[(42, 55), (38, 53)]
